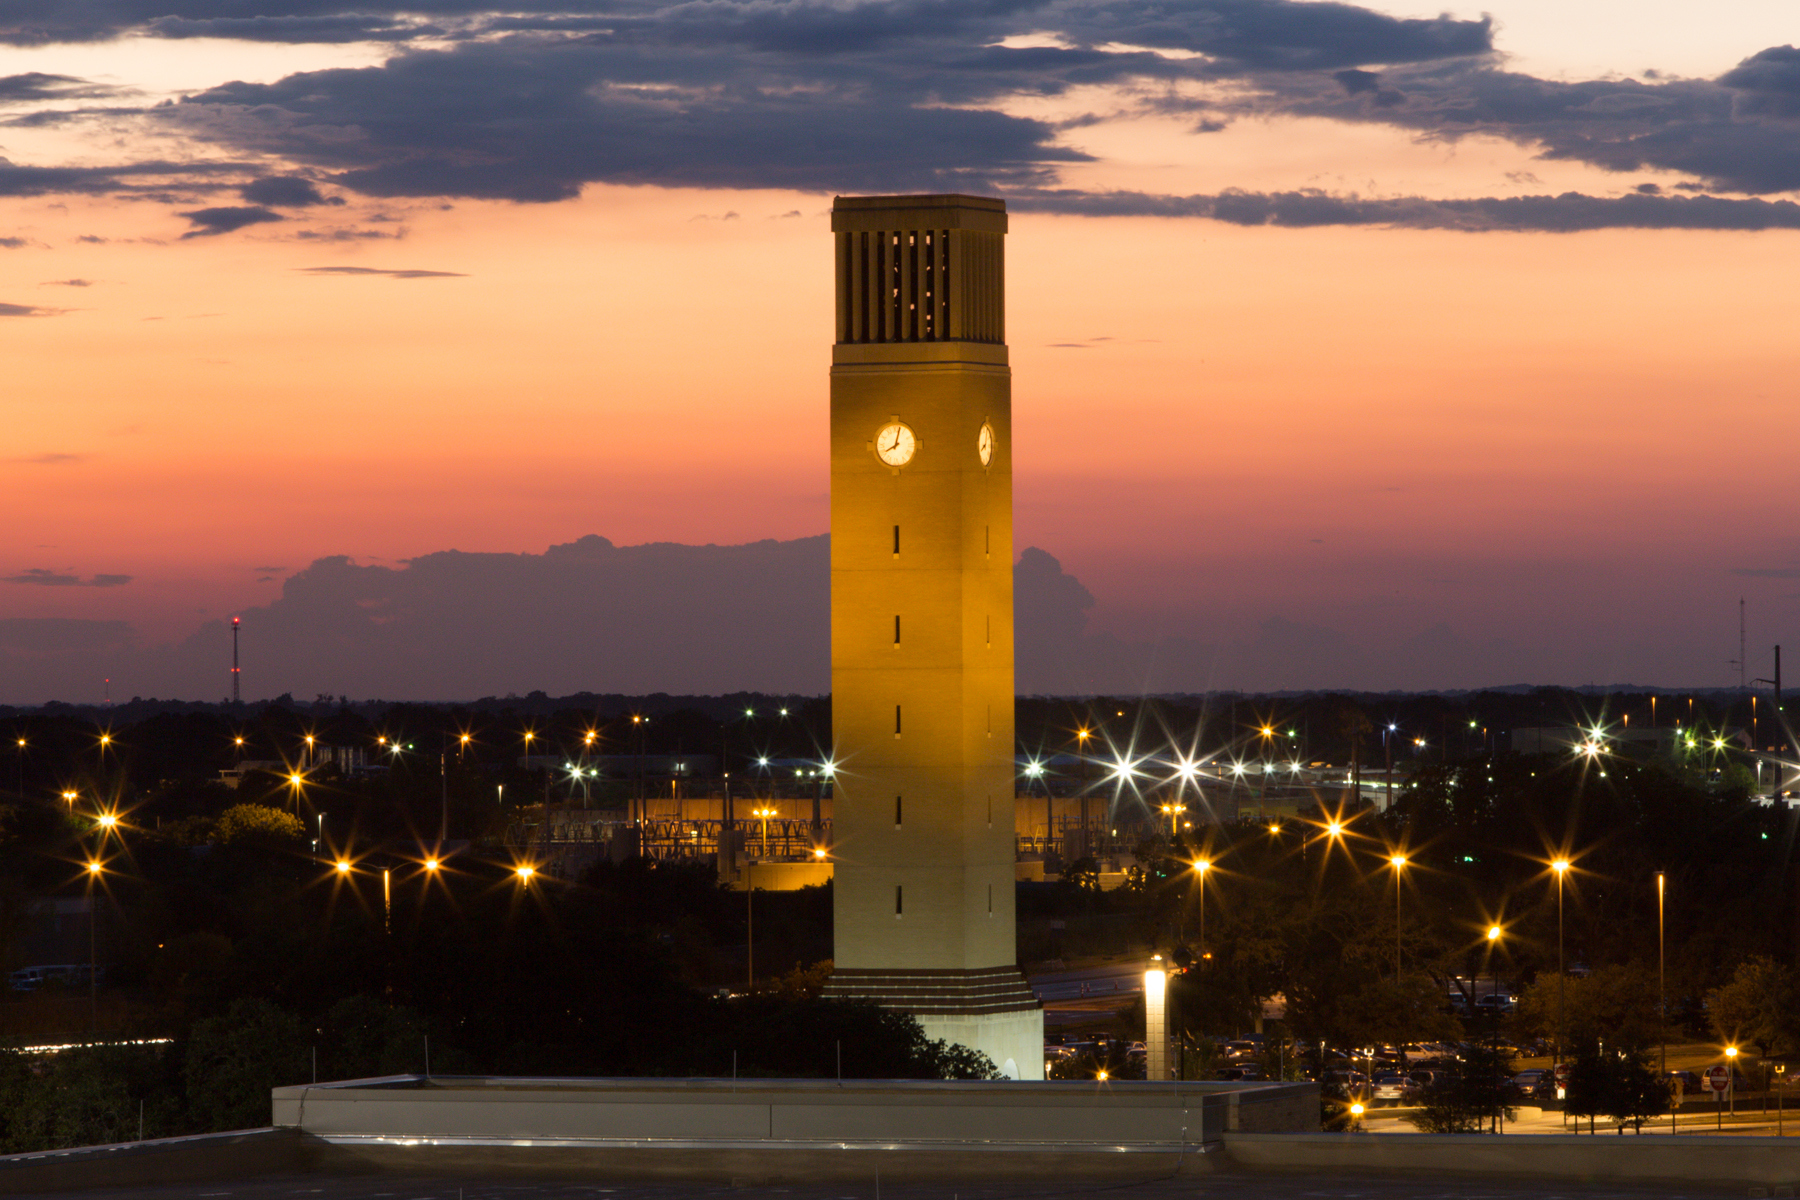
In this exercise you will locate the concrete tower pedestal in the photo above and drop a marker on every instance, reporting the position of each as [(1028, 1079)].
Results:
[(922, 624)]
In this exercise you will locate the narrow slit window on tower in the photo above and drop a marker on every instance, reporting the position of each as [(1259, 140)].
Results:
[(898, 909), (990, 720), (987, 540), (990, 899), (990, 632), (990, 798), (896, 629), (896, 541), (896, 812), (896, 720)]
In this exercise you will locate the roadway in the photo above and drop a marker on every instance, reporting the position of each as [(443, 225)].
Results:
[(1121, 980)]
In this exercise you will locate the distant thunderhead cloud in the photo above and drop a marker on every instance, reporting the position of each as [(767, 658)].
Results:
[(42, 578), (410, 273)]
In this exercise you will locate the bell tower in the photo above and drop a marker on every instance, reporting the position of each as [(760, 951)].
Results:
[(922, 623)]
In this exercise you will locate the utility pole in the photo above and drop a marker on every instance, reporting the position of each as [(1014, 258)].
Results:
[(236, 697)]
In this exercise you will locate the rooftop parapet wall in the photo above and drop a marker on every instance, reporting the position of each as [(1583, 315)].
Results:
[(1120, 1118)]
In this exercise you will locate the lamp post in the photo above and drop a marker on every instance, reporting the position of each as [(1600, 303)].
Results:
[(1398, 862), (1200, 870), (1662, 995), (21, 768), (1081, 743), (1174, 809), (1731, 1054), (1561, 867), (94, 868), (1493, 939), (763, 812), (1035, 770)]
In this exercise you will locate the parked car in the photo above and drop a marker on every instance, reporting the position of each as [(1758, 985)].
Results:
[(1243, 1048), (30, 979), (1534, 1084), (1244, 1072), (1388, 1089)]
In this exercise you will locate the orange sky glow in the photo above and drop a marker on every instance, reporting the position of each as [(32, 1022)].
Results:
[(1579, 443)]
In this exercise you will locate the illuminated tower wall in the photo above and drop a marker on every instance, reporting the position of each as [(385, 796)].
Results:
[(922, 622)]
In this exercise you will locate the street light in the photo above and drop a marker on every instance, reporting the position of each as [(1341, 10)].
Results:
[(1174, 810), (94, 869), (1731, 1053), (1200, 870), (763, 813), (1561, 867), (1398, 862)]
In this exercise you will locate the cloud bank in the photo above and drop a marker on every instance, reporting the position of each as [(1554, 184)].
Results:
[(707, 620), (532, 105)]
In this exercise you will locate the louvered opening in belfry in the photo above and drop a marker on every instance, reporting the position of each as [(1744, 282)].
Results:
[(920, 285)]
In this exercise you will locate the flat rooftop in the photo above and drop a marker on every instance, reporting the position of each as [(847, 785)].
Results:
[(1233, 1185)]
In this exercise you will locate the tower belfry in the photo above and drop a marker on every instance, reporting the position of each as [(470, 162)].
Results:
[(922, 623)]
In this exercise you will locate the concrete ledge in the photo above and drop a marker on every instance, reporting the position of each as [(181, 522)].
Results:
[(793, 1113), (208, 1156), (1714, 1162), (791, 1129)]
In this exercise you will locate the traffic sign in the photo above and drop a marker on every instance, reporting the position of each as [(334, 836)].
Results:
[(1562, 1074), (1718, 1078)]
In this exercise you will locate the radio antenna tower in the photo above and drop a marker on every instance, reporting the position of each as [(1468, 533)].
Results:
[(235, 698)]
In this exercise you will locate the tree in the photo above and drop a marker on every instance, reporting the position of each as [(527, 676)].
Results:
[(83, 1096), (233, 1061), (1757, 1005), (258, 822), (1465, 1102), (1387, 1012), (1615, 1006), (1617, 1084)]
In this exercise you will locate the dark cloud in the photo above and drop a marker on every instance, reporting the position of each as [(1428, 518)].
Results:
[(40, 577), (400, 274), (209, 222), (1767, 83), (285, 191), (35, 85), (332, 27), (51, 460), (12, 243), (28, 310), (1768, 572), (41, 181), (78, 283), (903, 95), (1570, 212), (534, 122)]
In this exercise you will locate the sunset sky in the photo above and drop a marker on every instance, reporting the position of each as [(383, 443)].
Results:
[(1459, 347)]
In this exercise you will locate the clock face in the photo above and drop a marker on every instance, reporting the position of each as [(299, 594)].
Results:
[(895, 444), (984, 444)]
